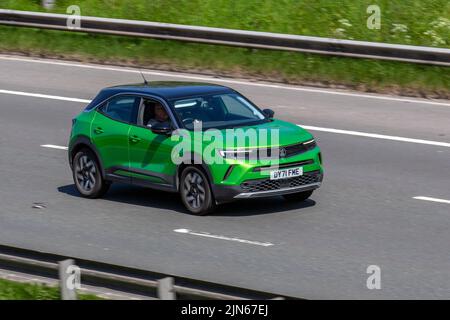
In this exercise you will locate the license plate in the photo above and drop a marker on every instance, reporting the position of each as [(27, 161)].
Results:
[(286, 173)]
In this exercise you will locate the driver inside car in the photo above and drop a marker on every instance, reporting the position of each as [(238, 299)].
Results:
[(160, 115)]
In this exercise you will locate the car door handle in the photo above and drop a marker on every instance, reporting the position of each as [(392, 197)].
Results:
[(135, 139), (98, 130)]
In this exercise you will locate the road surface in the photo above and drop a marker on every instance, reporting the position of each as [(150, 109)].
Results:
[(384, 200)]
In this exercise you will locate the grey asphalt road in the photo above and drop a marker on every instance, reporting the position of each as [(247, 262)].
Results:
[(363, 215)]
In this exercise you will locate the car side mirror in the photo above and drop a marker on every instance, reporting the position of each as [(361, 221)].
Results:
[(269, 113), (161, 128)]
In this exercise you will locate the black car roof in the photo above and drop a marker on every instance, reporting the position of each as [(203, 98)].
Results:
[(169, 89)]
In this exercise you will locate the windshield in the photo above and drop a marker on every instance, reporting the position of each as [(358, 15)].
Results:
[(227, 110)]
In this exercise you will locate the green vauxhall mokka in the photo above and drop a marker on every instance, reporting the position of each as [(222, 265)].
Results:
[(140, 134)]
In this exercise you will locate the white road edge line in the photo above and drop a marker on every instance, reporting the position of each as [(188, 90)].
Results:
[(378, 136), (208, 235), (206, 78), (45, 96), (52, 146), (432, 199)]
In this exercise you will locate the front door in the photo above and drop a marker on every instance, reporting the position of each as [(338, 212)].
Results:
[(150, 153)]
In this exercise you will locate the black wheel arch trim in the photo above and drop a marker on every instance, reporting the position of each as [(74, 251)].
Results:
[(203, 165), (85, 141)]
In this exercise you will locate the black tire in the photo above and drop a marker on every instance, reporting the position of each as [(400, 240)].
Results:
[(298, 196), (87, 175), (195, 191)]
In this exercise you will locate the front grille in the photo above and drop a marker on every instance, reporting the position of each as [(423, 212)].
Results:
[(267, 184), (287, 151), (275, 152)]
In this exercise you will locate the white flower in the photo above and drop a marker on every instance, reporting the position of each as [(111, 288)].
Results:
[(340, 32), (397, 27), (441, 23), (436, 39), (345, 22)]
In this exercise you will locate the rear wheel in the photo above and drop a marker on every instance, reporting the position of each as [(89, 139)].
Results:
[(195, 191), (298, 196), (87, 175)]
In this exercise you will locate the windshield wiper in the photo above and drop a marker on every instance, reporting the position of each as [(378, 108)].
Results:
[(245, 124)]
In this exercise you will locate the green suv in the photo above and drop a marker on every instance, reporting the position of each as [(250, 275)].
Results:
[(205, 141)]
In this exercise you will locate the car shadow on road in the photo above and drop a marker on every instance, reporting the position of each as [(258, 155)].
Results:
[(171, 201), (133, 195), (255, 207)]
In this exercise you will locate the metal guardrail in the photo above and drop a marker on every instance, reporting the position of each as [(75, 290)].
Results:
[(230, 37), (123, 279)]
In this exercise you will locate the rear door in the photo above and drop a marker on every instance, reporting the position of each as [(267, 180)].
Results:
[(109, 132)]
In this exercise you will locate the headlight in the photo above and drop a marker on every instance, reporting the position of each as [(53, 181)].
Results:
[(310, 144)]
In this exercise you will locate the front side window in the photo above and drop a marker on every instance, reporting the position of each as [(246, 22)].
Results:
[(153, 112), (121, 108), (226, 110)]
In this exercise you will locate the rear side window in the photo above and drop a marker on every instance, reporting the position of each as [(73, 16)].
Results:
[(121, 108)]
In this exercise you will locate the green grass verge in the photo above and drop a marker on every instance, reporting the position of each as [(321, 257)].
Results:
[(10, 290), (419, 22), (289, 67)]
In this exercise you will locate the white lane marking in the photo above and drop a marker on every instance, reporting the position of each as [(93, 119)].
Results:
[(378, 136), (339, 131), (208, 235), (432, 199), (313, 128), (52, 146), (247, 83), (45, 96), (288, 107)]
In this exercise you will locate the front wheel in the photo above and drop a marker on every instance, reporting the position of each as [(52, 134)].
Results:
[(298, 196), (195, 191), (87, 176)]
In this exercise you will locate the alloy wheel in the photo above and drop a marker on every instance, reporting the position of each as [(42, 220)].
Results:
[(194, 189), (85, 173)]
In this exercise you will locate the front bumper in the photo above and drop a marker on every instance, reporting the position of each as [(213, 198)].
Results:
[(279, 192), (265, 187)]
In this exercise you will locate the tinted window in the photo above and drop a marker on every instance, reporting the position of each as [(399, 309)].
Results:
[(121, 108), (234, 106), (216, 111)]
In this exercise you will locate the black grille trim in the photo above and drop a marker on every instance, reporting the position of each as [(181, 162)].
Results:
[(227, 174), (290, 150), (275, 152)]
